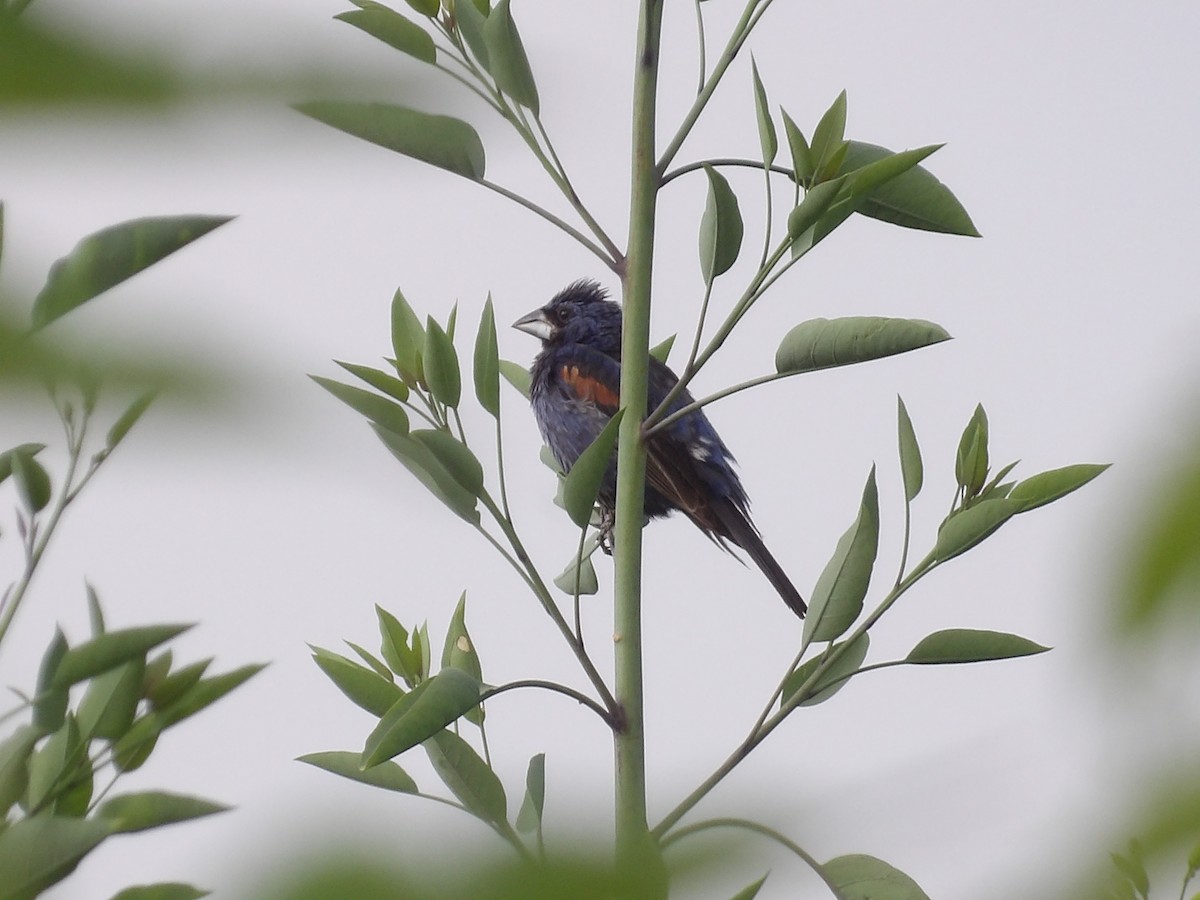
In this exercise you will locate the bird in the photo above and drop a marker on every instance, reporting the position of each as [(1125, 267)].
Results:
[(575, 384)]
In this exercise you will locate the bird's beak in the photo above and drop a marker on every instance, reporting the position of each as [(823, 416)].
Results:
[(535, 323)]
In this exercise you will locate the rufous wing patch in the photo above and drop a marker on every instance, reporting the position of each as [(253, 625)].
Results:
[(585, 387)]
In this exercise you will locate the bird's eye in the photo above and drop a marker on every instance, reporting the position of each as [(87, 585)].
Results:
[(561, 315)]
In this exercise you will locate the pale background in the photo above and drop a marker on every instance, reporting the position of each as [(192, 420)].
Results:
[(274, 518)]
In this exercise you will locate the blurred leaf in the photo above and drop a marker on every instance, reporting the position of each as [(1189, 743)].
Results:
[(386, 775), (802, 161), (586, 584), (837, 598), (720, 227), (50, 703), (1046, 487), (393, 29), (507, 61), (441, 141), (430, 471), (383, 412), (441, 365), (971, 461), (662, 349), (750, 891), (408, 339), (176, 684), (1, 232), (111, 649), (455, 456), (966, 645), (128, 419), (1133, 869), (825, 343), (487, 361), (15, 751), (425, 7), (862, 877), (967, 527), (911, 469), (582, 484), (529, 818), (6, 458), (165, 890), (829, 133), (110, 702), (404, 659), (95, 613), (470, 21), (420, 714), (915, 199), (381, 381), (468, 776), (41, 850), (516, 375), (109, 256), (767, 138), (33, 482), (363, 686), (152, 809), (52, 765), (832, 679)]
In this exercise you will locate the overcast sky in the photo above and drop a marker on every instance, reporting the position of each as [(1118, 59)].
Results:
[(275, 518)]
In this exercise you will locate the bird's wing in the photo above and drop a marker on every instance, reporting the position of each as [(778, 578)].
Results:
[(590, 376)]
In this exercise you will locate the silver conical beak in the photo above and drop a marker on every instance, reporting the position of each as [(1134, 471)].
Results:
[(535, 323)]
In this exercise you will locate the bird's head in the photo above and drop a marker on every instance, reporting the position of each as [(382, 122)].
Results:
[(580, 313)]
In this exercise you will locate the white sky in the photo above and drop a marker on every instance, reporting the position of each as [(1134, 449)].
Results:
[(276, 518)]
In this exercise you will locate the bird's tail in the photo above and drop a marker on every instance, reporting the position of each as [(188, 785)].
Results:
[(743, 533)]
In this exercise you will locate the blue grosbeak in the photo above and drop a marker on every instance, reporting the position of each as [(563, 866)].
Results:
[(575, 390)]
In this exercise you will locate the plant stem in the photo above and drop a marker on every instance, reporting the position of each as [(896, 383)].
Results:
[(629, 740), (559, 223), (550, 686)]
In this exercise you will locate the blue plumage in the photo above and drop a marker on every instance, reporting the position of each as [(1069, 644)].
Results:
[(575, 388)]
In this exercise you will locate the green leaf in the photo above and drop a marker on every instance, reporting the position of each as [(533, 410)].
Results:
[(111, 649), (911, 469), (767, 138), (862, 877), (721, 227), (750, 891), (585, 585), (967, 527), (459, 652), (825, 343), (802, 160), (110, 703), (1133, 868), (971, 461), (455, 456), (441, 365), (386, 775), (6, 458), (408, 340), (376, 665), (128, 419), (441, 141), (1, 232), (582, 484), (1046, 487), (662, 349), (468, 777), (915, 199), (516, 375), (803, 219), (383, 412), (363, 686), (108, 257), (487, 361), (404, 659), (163, 890), (837, 598), (151, 809), (832, 679), (50, 702), (95, 613), (15, 751), (529, 818), (507, 61), (966, 645), (470, 21), (421, 461), (42, 850), (165, 692), (829, 133), (865, 181), (419, 715), (381, 381), (427, 8), (394, 30), (33, 483), (53, 765)]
